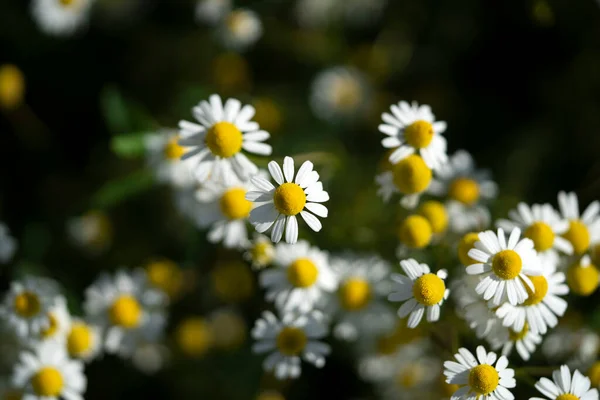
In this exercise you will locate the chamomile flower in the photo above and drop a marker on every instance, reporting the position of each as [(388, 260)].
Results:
[(420, 290), (60, 320), (583, 277), (217, 142), (290, 339), (409, 177), (241, 28), (27, 305), (540, 223), (260, 251), (229, 329), (575, 346), (505, 268), (299, 278), (163, 154), (525, 341), (467, 189), (92, 231), (127, 310), (359, 302), (563, 386), (83, 340), (543, 305), (291, 197), (412, 129), (12, 87), (48, 373), (61, 17), (8, 244), (479, 377), (581, 227), (414, 232), (194, 337), (165, 275), (212, 11)]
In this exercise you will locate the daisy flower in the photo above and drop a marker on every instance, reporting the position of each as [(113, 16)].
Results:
[(412, 129), (563, 386), (291, 197), (540, 223), (575, 345), (420, 290), (166, 275), (414, 232), (583, 277), (300, 276), (27, 305), (478, 377), (505, 268), (92, 231), (241, 28), (525, 341), (409, 177), (581, 227), (359, 302), (127, 310), (212, 11), (8, 244), (229, 329), (289, 339), (543, 305), (60, 320), (48, 373), (83, 340), (467, 189), (194, 337), (217, 142), (163, 155), (61, 17), (260, 251)]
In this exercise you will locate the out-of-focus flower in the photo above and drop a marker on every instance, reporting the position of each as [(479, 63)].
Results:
[(60, 321), (240, 29), (268, 114), (8, 244), (435, 213), (194, 337), (581, 227), (321, 13), (410, 177), (583, 277), (563, 386), (163, 154), (212, 11), (232, 281), (415, 232), (61, 17), (292, 196), (150, 357), (83, 340), (229, 329), (571, 344), (260, 251), (12, 87), (525, 341), (165, 275), (92, 231)]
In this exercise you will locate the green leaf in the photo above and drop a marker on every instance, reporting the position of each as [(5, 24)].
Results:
[(128, 146), (119, 190), (115, 110)]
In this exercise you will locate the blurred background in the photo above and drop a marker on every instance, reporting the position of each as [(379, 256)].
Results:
[(516, 81)]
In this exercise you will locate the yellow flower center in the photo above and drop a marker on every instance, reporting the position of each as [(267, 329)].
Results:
[(79, 340), (516, 336), (13, 394), (540, 285), (27, 304), (583, 280), (483, 379), (567, 396), (289, 199), (411, 175), (224, 139), (237, 21), (234, 205), (507, 264), (346, 93), (67, 3), (579, 236), (419, 134), (233, 281), (52, 327), (125, 312), (429, 289), (436, 214), (291, 341), (541, 234), (302, 273), (229, 330), (166, 276), (355, 294), (409, 377), (172, 150), (467, 243), (262, 252), (594, 374), (194, 337), (12, 87), (47, 382), (415, 232), (464, 190)]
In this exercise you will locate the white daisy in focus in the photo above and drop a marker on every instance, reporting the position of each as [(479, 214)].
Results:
[(163, 155), (290, 339), (217, 142), (61, 17), (563, 386), (420, 291), (212, 11), (83, 340), (339, 93), (8, 244), (127, 310), (359, 303), (540, 223), (467, 189), (298, 278), (411, 129), (260, 251), (410, 177), (504, 267), (48, 373), (478, 377), (581, 227), (292, 196), (240, 29), (27, 305), (543, 305), (92, 231)]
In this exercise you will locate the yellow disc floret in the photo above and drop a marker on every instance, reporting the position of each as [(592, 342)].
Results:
[(262, 253), (540, 285), (125, 312), (467, 243), (594, 374), (410, 376), (355, 294), (79, 340), (464, 190), (567, 396), (429, 289), (483, 379), (172, 150), (234, 205), (68, 3), (582, 280), (419, 134), (289, 199), (47, 382), (516, 336), (194, 337), (579, 236), (233, 281), (166, 276), (302, 273), (27, 304), (52, 327), (436, 214), (541, 234), (411, 175), (224, 139), (12, 87), (507, 264), (291, 341), (415, 232)]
